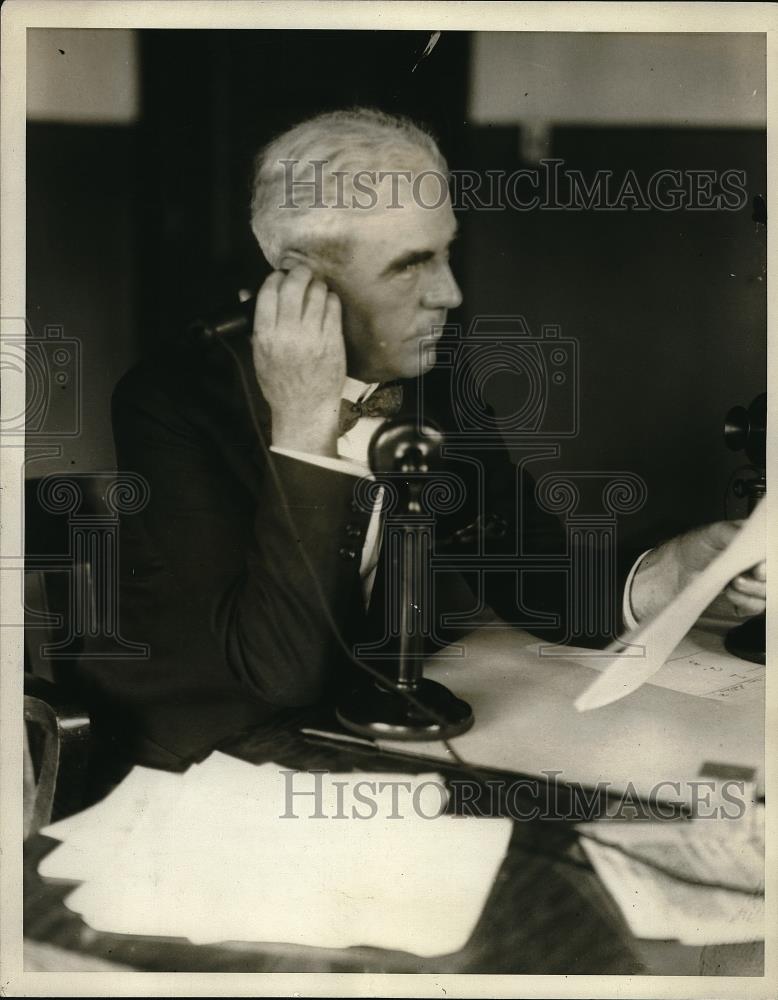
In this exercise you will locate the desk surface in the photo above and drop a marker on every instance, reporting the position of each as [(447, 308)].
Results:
[(546, 914), (658, 740)]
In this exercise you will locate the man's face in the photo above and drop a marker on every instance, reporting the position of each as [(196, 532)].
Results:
[(396, 287)]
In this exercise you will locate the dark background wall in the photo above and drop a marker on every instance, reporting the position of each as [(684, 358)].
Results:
[(668, 309), (133, 229), (83, 274)]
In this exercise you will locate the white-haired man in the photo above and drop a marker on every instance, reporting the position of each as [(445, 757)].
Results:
[(255, 567)]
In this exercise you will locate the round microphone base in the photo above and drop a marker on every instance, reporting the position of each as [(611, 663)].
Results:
[(379, 713)]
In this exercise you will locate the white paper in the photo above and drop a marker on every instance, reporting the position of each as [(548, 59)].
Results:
[(657, 906), (699, 665), (211, 858), (653, 642)]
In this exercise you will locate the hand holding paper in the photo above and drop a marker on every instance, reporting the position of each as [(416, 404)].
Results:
[(663, 633), (670, 567)]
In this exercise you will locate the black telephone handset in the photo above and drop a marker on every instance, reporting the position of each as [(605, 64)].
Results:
[(237, 321), (227, 323)]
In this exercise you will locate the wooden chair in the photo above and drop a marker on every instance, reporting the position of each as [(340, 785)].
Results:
[(56, 754)]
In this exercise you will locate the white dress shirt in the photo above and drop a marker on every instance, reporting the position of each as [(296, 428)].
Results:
[(352, 459)]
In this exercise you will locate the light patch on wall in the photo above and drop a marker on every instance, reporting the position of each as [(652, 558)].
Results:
[(686, 80), (82, 76)]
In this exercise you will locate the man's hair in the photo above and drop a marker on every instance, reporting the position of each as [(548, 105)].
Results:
[(359, 139)]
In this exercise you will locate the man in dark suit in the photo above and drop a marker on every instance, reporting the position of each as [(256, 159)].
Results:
[(256, 566)]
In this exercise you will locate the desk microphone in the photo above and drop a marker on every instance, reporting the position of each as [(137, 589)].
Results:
[(405, 457)]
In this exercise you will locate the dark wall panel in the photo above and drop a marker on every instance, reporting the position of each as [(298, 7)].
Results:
[(82, 275), (669, 309)]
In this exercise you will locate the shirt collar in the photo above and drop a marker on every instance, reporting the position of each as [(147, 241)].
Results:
[(355, 391)]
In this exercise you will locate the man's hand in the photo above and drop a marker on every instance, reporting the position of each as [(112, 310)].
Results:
[(300, 359), (668, 569)]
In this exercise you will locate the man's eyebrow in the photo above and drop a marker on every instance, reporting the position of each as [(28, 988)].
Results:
[(411, 257), (407, 259)]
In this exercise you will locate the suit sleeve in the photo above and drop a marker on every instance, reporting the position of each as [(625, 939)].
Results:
[(273, 578)]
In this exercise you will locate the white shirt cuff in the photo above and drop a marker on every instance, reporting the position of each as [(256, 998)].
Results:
[(627, 613), (325, 462)]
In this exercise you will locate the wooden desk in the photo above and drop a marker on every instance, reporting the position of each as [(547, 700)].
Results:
[(547, 912), (543, 916)]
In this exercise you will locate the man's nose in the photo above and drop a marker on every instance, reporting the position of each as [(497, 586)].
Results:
[(443, 291)]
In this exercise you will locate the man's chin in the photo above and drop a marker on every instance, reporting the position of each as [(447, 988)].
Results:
[(412, 365), (414, 371), (422, 361)]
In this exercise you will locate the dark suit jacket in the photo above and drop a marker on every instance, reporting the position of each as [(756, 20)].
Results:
[(216, 571)]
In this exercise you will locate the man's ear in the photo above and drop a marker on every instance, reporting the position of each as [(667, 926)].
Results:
[(293, 258)]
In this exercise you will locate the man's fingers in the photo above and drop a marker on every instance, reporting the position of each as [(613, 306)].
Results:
[(292, 294), (315, 301), (332, 320), (749, 606), (744, 604), (747, 584), (266, 310)]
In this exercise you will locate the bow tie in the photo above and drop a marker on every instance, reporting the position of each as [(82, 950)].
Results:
[(385, 401)]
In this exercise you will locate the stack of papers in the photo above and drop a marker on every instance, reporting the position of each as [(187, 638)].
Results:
[(656, 905), (231, 851)]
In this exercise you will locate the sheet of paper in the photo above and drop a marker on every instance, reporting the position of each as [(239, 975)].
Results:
[(656, 905), (658, 637), (223, 854), (119, 810), (419, 891), (699, 665)]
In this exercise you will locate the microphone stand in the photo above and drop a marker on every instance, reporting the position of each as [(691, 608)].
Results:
[(403, 456)]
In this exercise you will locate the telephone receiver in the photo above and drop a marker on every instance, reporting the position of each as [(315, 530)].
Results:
[(237, 321)]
